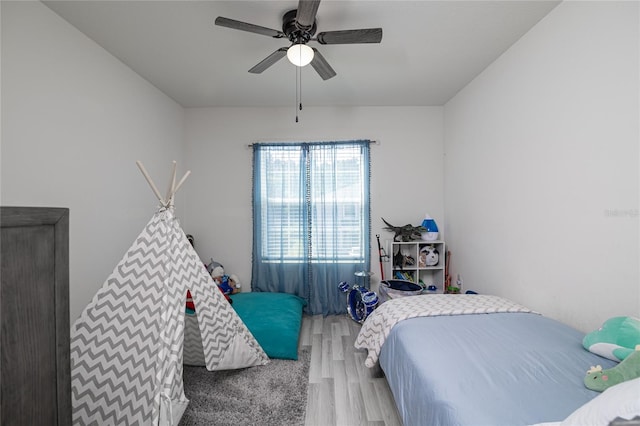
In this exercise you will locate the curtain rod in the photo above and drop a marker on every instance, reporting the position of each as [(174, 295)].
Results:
[(371, 142)]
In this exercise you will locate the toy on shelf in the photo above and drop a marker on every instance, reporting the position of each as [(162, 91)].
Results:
[(406, 232), (429, 256), (403, 258)]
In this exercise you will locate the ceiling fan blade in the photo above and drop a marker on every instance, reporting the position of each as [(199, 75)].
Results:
[(321, 65), (244, 26), (365, 35), (269, 60), (306, 15)]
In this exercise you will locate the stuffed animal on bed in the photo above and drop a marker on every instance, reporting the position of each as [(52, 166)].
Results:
[(598, 379), (615, 340)]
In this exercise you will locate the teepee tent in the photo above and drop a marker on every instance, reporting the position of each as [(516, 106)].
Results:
[(127, 345)]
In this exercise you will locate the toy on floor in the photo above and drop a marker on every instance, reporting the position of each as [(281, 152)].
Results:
[(229, 284), (615, 340), (212, 265), (360, 301), (598, 379)]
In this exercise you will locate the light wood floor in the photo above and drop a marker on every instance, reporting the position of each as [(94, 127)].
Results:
[(342, 391)]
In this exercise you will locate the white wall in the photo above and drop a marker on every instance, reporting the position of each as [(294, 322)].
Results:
[(541, 169), (406, 169), (540, 173), (74, 121)]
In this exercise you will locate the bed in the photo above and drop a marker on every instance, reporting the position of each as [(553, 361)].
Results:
[(479, 360)]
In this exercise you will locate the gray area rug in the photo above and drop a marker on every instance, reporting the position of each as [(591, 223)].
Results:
[(273, 394)]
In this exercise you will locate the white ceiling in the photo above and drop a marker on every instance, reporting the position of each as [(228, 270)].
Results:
[(429, 51)]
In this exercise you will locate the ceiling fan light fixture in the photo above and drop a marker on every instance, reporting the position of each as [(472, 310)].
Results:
[(300, 54)]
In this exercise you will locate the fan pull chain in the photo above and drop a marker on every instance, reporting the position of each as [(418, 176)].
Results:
[(295, 104), (298, 104)]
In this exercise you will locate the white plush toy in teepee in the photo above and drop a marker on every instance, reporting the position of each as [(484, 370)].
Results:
[(127, 346)]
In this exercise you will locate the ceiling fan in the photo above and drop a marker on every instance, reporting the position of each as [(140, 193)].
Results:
[(299, 26)]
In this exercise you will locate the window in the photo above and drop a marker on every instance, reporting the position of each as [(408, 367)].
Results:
[(311, 205)]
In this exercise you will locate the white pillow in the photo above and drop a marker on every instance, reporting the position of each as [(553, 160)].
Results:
[(621, 400)]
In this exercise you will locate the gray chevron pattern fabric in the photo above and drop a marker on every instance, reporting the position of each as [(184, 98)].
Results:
[(193, 353), (127, 346), (378, 325)]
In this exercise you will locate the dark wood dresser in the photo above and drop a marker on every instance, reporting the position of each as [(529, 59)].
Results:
[(35, 379)]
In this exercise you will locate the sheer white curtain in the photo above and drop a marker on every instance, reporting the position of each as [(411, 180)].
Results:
[(311, 219)]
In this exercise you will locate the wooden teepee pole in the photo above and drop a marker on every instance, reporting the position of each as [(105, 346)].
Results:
[(172, 184), (150, 182), (171, 190), (186, 175)]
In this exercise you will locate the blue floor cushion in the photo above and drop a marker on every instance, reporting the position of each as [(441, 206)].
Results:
[(274, 319)]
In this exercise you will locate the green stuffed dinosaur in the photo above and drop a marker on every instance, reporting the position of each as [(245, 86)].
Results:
[(616, 338), (598, 379)]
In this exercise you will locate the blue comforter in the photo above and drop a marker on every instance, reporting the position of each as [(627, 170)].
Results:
[(486, 369)]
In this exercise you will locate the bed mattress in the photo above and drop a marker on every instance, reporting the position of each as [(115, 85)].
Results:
[(486, 369)]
